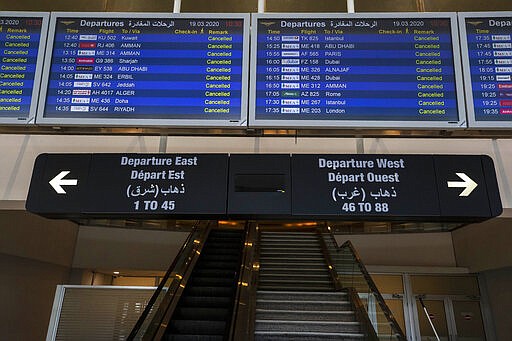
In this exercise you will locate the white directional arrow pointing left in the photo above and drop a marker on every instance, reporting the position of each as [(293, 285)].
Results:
[(59, 181), (468, 184)]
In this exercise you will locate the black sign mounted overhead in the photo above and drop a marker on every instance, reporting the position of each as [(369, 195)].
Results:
[(450, 187), (129, 185), (251, 186), (259, 185), (58, 184)]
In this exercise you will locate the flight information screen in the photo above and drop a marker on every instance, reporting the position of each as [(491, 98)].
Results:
[(22, 36), (487, 58), (158, 70), (353, 70)]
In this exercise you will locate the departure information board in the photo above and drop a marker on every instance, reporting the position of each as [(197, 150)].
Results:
[(385, 70), (487, 60), (23, 35), (151, 69)]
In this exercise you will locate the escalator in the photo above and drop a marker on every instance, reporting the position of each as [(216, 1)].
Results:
[(251, 284), (205, 308), (297, 297)]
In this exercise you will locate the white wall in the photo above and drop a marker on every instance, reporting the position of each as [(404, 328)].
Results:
[(406, 249), (484, 246), (499, 283), (35, 256), (118, 249), (27, 289), (26, 235), (285, 145)]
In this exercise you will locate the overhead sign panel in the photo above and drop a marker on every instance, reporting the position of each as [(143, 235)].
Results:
[(129, 184), (23, 37), (487, 60), (416, 186), (466, 185), (51, 190), (146, 69), (379, 70), (266, 186), (259, 185)]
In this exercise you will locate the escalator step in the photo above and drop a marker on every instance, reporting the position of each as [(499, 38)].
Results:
[(227, 250), (311, 336), (207, 264), (231, 243), (195, 313), (307, 326), (213, 281), (226, 234), (183, 337), (209, 291), (197, 327), (305, 315), (213, 272), (226, 239), (213, 257), (205, 301)]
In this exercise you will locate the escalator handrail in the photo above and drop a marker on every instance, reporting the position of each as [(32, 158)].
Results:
[(371, 284), (373, 287), (170, 270), (361, 314), (171, 298), (240, 321), (330, 262)]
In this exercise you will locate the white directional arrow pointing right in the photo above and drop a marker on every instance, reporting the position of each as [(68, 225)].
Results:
[(58, 181), (468, 184)]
